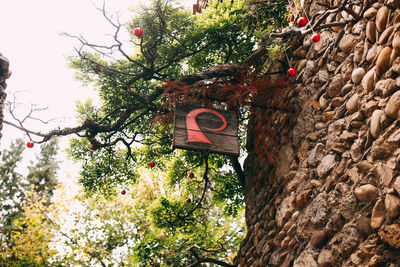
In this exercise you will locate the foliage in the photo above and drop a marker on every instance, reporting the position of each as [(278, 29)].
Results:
[(266, 16), (120, 230), (275, 51), (29, 242), (222, 27), (180, 59), (169, 219), (42, 175), (173, 44), (14, 186), (21, 199)]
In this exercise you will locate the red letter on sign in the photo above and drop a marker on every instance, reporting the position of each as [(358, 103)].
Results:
[(193, 130)]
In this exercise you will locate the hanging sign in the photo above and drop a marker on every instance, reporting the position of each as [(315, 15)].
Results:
[(202, 128)]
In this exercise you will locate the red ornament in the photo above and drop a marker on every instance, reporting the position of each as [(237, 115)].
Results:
[(291, 71), (123, 192), (152, 164), (97, 70), (138, 32), (188, 200), (316, 37), (191, 175), (301, 22), (29, 144)]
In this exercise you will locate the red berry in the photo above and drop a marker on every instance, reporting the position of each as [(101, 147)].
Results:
[(152, 164), (316, 37), (291, 71), (301, 22), (123, 192), (191, 175), (93, 147), (29, 144), (188, 200), (138, 32)]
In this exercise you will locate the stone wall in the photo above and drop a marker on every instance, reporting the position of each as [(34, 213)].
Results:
[(333, 198), (4, 74)]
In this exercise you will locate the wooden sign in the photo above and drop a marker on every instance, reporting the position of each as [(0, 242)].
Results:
[(201, 128)]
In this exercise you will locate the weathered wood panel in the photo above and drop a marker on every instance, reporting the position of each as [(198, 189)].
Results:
[(200, 128)]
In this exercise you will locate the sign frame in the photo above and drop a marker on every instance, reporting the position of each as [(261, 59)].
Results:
[(206, 129)]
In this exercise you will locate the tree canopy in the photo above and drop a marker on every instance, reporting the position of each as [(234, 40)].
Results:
[(209, 59), (18, 192)]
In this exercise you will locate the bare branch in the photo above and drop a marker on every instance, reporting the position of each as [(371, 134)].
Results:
[(317, 19)]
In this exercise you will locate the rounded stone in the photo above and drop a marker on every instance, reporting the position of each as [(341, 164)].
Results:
[(359, 27), (347, 43), (319, 126), (386, 87), (326, 166), (347, 88), (396, 185), (319, 238), (365, 166), (372, 52), (357, 75), (337, 101), (292, 242), (303, 198), (295, 215), (285, 242), (356, 124), (368, 80), (364, 225), (393, 106), (326, 259), (396, 43), (375, 126), (323, 102), (381, 18), (321, 45), (352, 103), (338, 18), (392, 205), (358, 53), (383, 61), (378, 214), (367, 192), (370, 31), (335, 86), (287, 226), (385, 35), (370, 13)]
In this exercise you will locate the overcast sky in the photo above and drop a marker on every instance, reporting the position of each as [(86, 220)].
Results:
[(30, 37)]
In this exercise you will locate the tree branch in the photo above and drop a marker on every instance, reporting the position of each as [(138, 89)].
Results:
[(292, 32), (238, 169)]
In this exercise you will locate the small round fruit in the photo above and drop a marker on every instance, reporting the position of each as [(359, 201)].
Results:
[(93, 147), (301, 22), (191, 175), (29, 144), (316, 37), (123, 192), (138, 32), (291, 71), (188, 200), (152, 164)]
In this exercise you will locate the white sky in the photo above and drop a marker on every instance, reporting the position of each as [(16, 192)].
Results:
[(31, 40)]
